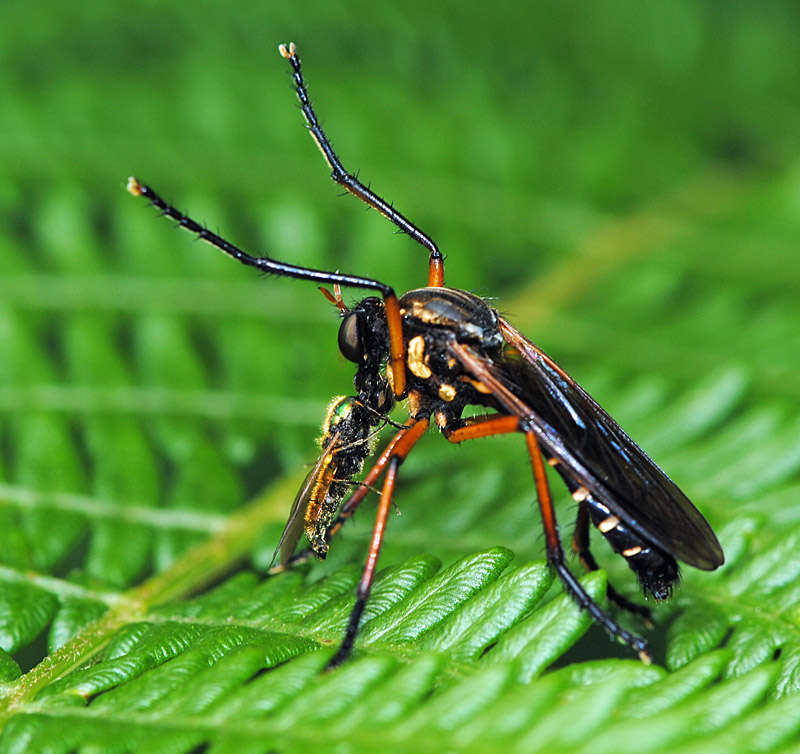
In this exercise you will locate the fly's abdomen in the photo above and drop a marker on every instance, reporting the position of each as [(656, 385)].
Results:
[(657, 570), (324, 500), (465, 315)]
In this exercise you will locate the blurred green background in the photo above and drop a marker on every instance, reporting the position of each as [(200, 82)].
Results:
[(623, 177)]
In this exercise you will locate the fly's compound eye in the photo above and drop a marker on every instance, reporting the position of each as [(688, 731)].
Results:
[(350, 343)]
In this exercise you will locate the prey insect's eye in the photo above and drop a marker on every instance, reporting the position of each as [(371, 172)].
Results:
[(350, 343)]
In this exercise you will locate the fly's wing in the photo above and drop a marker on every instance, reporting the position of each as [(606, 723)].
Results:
[(594, 450), (297, 516)]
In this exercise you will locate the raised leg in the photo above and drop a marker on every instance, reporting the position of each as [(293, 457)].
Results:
[(273, 267), (348, 181)]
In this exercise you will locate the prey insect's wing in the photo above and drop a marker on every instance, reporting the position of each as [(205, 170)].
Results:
[(593, 449), (313, 485)]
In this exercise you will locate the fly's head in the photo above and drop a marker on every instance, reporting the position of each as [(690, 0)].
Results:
[(364, 340)]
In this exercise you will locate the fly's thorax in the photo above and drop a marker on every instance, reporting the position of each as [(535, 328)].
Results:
[(453, 313), (339, 412), (433, 319)]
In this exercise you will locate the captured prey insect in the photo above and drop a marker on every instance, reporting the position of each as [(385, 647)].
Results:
[(442, 349), (348, 439)]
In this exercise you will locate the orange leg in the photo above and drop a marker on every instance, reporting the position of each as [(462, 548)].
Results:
[(555, 556), (483, 426), (498, 425), (400, 446), (397, 358), (365, 585), (392, 457), (436, 271)]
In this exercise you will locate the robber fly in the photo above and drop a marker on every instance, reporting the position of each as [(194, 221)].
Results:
[(441, 350)]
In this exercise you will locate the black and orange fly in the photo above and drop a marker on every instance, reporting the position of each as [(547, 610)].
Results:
[(440, 350)]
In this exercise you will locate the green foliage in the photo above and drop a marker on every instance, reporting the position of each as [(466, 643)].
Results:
[(622, 175)]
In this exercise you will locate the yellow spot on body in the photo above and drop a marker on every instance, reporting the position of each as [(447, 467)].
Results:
[(447, 392), (580, 494), (416, 356), (553, 461), (339, 408), (607, 524), (631, 551), (479, 386)]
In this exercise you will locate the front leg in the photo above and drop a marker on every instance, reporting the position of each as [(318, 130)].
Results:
[(401, 447)]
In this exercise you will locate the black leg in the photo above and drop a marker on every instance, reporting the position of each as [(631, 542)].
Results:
[(555, 556), (580, 544), (338, 173)]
